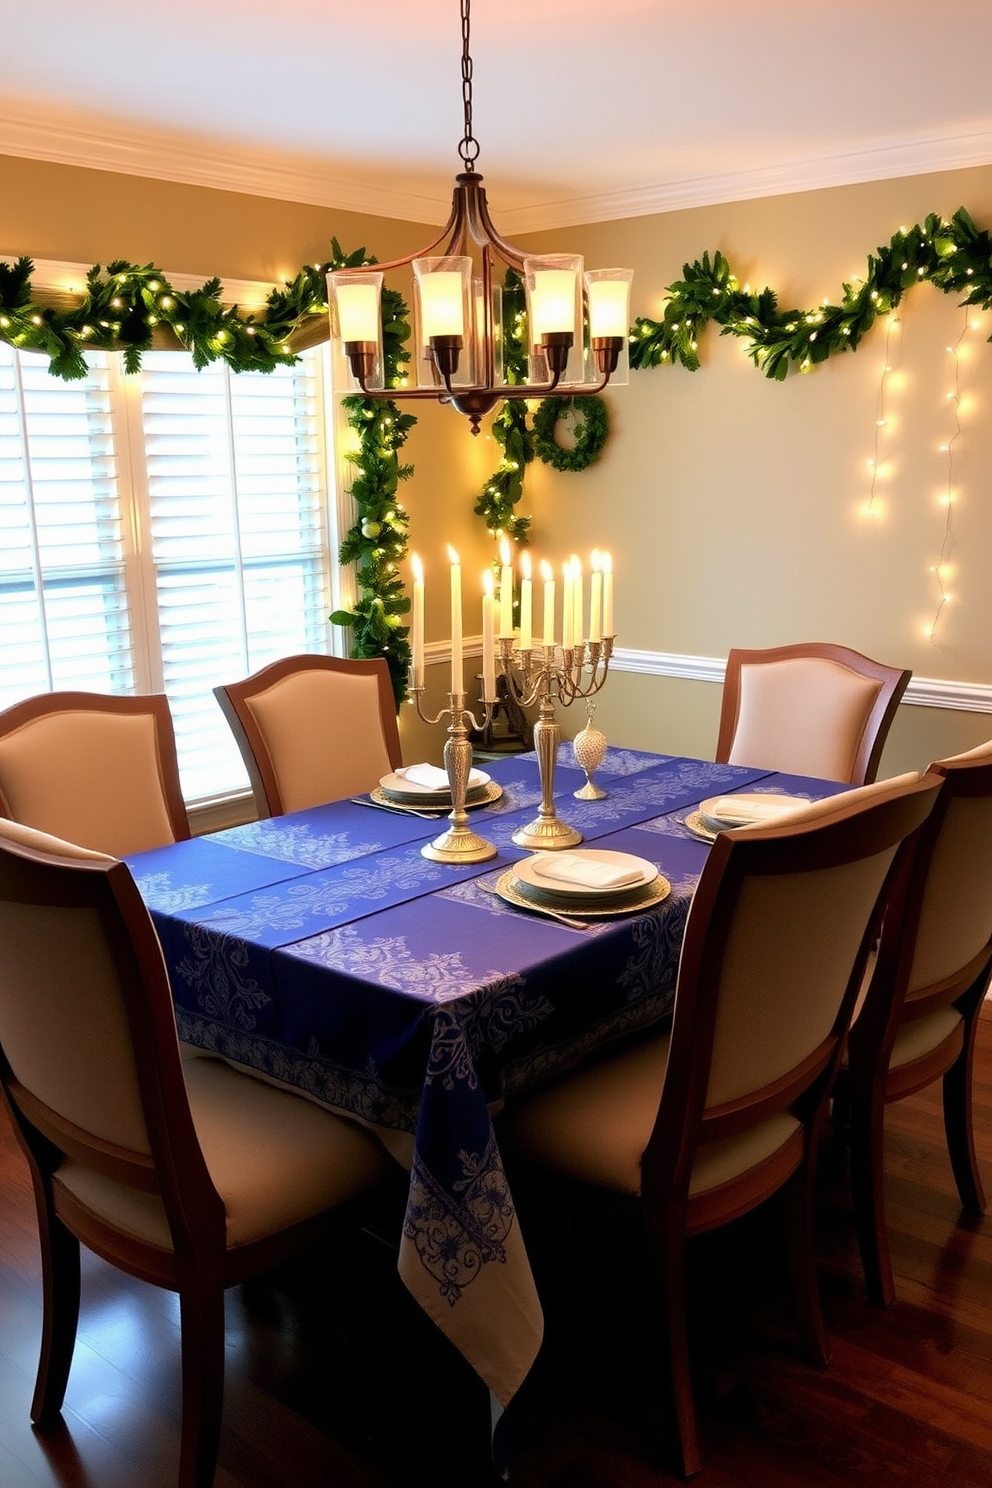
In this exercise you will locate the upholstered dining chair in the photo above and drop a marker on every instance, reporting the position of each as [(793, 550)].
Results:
[(313, 728), (191, 1177), (701, 1123), (919, 1011), (94, 768), (810, 709)]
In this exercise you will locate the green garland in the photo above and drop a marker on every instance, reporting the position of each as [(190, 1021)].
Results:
[(377, 542), (955, 256), (590, 433), (122, 310), (503, 490)]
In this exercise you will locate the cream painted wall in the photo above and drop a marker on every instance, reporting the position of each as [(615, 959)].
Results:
[(732, 504)]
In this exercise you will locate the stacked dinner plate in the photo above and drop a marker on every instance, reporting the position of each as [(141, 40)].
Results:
[(417, 786), (718, 813), (591, 882)]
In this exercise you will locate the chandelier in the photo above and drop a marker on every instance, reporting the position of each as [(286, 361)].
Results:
[(576, 322)]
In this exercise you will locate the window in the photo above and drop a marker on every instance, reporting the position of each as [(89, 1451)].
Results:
[(163, 532)]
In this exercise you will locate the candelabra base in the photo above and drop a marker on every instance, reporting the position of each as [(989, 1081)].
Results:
[(459, 845), (547, 834)]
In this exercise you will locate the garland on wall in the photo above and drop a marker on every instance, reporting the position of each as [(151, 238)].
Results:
[(954, 255), (128, 308)]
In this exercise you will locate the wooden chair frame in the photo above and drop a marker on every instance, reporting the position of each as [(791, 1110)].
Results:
[(868, 1084), (893, 682), (153, 704), (684, 1126), (234, 699), (199, 1266)]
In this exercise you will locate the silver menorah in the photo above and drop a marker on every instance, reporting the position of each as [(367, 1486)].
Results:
[(459, 844), (544, 675)]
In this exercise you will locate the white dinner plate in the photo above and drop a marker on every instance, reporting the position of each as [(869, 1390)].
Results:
[(400, 789), (708, 813), (526, 872)]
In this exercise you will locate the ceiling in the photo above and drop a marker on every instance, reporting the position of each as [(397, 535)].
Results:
[(585, 110)]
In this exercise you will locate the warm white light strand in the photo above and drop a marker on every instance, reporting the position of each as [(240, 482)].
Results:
[(881, 420), (940, 568)]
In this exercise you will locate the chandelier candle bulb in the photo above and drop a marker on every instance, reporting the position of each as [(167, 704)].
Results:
[(441, 304), (488, 642), (526, 604), (417, 639), (608, 292), (505, 590), (547, 574), (457, 674)]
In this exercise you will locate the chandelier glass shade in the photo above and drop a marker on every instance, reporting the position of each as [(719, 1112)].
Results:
[(576, 320)]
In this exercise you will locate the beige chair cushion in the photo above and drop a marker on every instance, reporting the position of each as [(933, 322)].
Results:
[(90, 778), (805, 715), (323, 731), (595, 1124), (918, 1038), (304, 1160)]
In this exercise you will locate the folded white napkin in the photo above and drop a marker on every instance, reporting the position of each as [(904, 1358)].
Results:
[(433, 778), (573, 868), (730, 809)]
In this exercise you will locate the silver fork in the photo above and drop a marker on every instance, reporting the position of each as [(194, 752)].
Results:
[(552, 914), (396, 810)]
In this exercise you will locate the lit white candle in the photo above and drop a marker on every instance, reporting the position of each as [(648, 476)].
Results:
[(457, 675), (567, 612), (596, 600), (608, 595), (505, 590), (526, 604), (547, 574), (417, 639), (578, 601), (488, 644)]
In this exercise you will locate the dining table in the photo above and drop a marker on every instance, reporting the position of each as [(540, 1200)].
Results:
[(324, 951)]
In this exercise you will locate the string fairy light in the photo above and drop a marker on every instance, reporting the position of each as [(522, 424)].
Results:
[(941, 569), (889, 367)]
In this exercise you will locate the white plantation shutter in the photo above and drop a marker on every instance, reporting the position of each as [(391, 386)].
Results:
[(64, 620), (238, 538), (165, 532)]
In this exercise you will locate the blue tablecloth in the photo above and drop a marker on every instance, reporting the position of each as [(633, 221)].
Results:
[(322, 950)]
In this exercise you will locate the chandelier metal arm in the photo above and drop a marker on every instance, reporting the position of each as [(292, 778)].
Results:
[(462, 325)]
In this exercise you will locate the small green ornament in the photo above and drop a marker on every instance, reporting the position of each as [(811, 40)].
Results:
[(371, 529)]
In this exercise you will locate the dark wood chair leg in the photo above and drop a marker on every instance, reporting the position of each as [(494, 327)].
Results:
[(958, 1122), (868, 1190), (60, 1285), (668, 1268), (201, 1312), (798, 1197)]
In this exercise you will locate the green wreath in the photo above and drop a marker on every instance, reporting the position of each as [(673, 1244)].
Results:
[(590, 433)]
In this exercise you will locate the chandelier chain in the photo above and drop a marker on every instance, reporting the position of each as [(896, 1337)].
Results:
[(469, 147)]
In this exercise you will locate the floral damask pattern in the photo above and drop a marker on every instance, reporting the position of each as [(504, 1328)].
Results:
[(215, 969), (299, 842), (457, 1231), (160, 892)]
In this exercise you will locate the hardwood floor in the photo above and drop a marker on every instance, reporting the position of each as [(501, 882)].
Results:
[(336, 1379)]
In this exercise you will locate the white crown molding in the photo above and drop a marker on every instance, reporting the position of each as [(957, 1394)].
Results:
[(35, 133), (872, 162)]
